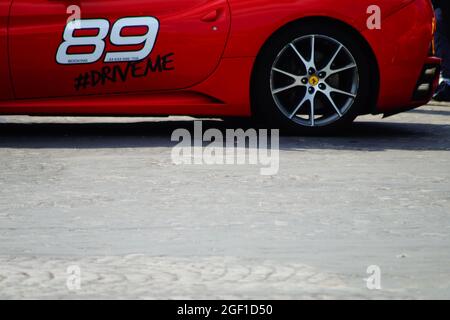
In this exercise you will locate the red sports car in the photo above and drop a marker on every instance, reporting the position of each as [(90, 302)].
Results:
[(306, 65)]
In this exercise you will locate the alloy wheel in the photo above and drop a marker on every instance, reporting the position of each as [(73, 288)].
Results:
[(314, 80)]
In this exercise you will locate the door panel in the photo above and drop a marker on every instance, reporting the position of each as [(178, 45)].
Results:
[(117, 46), (5, 85)]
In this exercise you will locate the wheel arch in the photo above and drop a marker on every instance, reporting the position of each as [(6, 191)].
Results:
[(374, 66)]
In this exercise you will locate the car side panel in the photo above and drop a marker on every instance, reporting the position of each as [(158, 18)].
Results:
[(254, 21), (189, 39), (5, 84), (402, 47), (223, 94)]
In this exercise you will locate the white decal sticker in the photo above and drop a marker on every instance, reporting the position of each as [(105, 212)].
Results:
[(148, 40)]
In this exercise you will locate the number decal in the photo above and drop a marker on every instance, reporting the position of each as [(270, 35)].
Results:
[(147, 39), (62, 57), (116, 38)]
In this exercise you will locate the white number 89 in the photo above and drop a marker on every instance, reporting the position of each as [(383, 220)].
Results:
[(98, 41)]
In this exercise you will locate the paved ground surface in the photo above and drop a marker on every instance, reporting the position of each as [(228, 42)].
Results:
[(104, 196)]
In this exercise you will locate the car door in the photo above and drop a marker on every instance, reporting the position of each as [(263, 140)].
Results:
[(62, 48)]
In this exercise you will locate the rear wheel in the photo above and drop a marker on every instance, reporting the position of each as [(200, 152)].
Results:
[(311, 78)]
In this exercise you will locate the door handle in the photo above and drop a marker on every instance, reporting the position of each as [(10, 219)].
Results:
[(212, 16)]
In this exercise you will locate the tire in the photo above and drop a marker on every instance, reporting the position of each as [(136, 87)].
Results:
[(286, 81)]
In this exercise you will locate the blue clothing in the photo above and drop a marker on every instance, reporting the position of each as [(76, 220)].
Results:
[(443, 41)]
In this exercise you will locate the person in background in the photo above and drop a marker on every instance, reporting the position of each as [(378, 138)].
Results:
[(442, 10)]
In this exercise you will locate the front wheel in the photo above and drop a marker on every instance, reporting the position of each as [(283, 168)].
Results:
[(311, 79)]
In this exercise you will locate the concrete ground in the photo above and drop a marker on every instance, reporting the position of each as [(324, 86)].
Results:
[(102, 197)]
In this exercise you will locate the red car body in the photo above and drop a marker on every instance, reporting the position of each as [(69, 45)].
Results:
[(202, 59)]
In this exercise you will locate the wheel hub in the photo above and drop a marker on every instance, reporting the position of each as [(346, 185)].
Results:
[(313, 80)]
